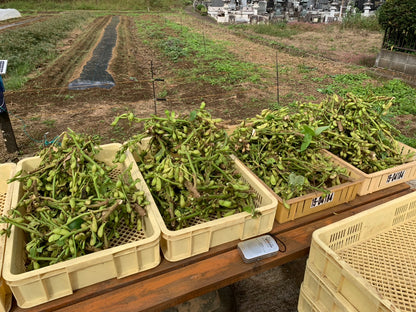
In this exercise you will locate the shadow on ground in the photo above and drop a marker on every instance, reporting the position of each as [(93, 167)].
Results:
[(276, 290)]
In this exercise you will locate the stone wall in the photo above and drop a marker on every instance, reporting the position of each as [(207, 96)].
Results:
[(397, 61)]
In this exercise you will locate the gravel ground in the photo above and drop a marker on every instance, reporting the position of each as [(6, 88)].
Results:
[(276, 290)]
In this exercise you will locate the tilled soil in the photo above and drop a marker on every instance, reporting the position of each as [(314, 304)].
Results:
[(46, 107)]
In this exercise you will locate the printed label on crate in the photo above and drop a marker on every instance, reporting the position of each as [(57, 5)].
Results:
[(395, 176), (317, 201)]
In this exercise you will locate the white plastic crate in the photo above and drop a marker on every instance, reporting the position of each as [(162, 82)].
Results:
[(133, 252)]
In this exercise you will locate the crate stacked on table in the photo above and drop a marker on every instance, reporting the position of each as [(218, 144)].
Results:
[(364, 141), (204, 234), (6, 172), (132, 252), (317, 201), (379, 180), (366, 262), (285, 151)]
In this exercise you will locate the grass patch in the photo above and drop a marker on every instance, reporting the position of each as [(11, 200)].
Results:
[(410, 141), (29, 47), (205, 60), (280, 29), (357, 21)]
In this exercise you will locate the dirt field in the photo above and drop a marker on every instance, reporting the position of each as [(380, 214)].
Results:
[(45, 107)]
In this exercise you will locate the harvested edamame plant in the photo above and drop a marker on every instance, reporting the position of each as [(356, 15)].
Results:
[(358, 133), (73, 204), (284, 150), (187, 164)]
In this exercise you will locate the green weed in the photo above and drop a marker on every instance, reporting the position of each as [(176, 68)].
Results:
[(162, 94), (357, 21), (49, 122), (302, 68), (173, 48), (407, 140), (273, 29)]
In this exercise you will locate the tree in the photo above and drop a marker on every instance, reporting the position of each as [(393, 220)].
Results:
[(398, 19), (398, 14)]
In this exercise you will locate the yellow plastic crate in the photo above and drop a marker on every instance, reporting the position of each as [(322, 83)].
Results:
[(203, 235), (385, 178), (370, 258), (6, 172), (133, 252), (317, 201), (305, 303), (326, 302), (319, 295)]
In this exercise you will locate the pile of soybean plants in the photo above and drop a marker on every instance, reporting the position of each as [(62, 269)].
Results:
[(188, 167), (284, 150), (72, 204), (358, 133)]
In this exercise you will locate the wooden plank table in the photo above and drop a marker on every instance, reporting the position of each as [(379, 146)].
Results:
[(171, 283)]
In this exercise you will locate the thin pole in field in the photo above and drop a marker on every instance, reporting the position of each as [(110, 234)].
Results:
[(277, 79), (153, 85), (155, 99)]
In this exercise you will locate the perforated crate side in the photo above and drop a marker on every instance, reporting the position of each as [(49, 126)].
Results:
[(337, 248), (306, 304), (321, 291)]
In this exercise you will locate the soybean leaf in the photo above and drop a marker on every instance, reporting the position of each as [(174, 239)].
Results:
[(280, 166), (32, 252), (306, 141), (308, 130), (295, 179), (76, 224), (192, 115), (319, 130), (270, 161)]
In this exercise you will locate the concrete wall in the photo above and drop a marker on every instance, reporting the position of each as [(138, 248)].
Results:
[(397, 61)]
